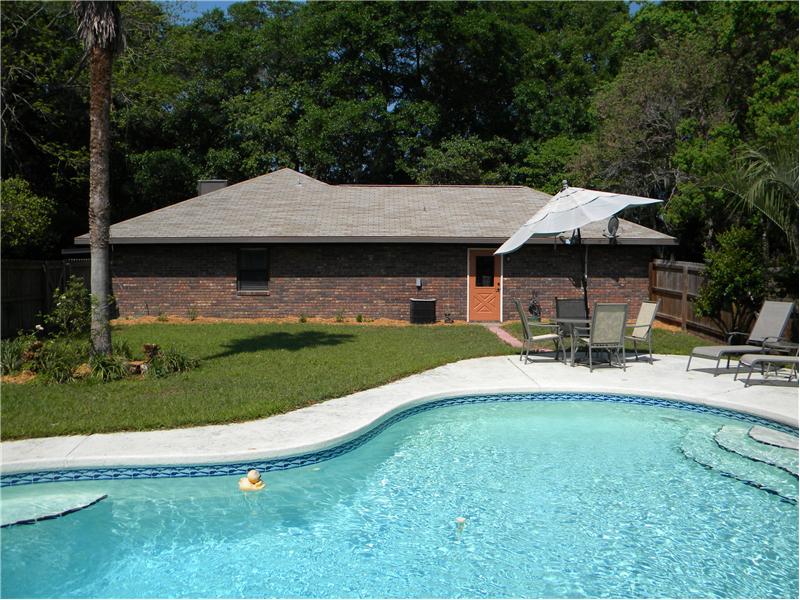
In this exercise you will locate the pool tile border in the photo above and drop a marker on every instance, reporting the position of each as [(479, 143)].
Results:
[(311, 458)]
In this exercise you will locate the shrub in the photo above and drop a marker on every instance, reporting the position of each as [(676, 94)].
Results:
[(72, 309), (107, 368), (170, 361), (359, 318), (57, 359), (192, 314), (162, 318), (302, 319), (122, 349), (735, 279), (339, 317), (12, 353)]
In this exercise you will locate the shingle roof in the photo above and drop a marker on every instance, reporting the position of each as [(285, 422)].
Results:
[(287, 206)]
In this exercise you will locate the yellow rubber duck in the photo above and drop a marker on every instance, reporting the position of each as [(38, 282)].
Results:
[(251, 483)]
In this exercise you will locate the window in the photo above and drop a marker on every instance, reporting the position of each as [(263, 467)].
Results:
[(484, 271), (253, 269)]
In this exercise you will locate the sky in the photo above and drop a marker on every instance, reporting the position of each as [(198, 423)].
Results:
[(192, 9)]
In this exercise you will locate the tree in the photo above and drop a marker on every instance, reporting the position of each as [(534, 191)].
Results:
[(377, 92), (464, 161), (26, 218), (735, 280), (764, 189), (659, 99), (42, 109), (100, 30), (543, 165)]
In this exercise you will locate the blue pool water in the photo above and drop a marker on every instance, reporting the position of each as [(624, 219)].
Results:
[(567, 499)]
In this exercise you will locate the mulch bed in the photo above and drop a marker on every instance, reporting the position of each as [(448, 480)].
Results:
[(23, 377), (314, 320)]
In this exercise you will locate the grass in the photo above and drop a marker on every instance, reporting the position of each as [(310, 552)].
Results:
[(247, 371), (664, 341)]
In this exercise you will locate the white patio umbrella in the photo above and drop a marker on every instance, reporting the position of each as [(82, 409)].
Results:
[(571, 209), (568, 210)]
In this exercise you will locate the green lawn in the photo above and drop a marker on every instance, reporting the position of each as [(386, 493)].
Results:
[(247, 371), (664, 342)]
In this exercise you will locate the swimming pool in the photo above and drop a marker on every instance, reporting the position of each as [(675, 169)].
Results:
[(560, 499)]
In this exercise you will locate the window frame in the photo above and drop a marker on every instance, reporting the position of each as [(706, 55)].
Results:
[(261, 287)]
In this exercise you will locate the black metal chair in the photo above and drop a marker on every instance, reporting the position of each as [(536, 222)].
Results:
[(570, 308)]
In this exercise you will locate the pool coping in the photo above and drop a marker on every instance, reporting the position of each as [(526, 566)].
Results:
[(335, 422)]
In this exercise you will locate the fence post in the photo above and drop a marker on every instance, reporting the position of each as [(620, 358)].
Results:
[(685, 299), (651, 278), (45, 289)]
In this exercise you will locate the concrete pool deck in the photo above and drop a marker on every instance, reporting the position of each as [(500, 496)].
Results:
[(331, 422)]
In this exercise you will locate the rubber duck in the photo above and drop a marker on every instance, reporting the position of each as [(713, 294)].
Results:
[(251, 483)]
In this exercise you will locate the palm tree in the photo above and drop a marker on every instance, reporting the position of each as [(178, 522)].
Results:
[(100, 30), (769, 185)]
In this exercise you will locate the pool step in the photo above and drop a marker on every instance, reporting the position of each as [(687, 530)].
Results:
[(737, 439), (774, 438), (26, 511), (700, 446)]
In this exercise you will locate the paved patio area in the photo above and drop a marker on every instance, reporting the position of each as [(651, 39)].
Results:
[(334, 421)]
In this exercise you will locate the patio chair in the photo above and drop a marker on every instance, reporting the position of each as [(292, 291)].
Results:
[(643, 330), (569, 308), (766, 361), (769, 327), (607, 332), (528, 339)]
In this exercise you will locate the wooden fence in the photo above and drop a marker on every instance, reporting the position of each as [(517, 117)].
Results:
[(27, 289), (676, 284)]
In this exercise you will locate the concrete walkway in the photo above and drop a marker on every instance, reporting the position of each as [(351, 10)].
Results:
[(501, 333), (334, 421)]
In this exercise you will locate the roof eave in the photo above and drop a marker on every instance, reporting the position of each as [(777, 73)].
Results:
[(84, 240)]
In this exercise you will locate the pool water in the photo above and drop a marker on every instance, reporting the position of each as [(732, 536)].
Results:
[(566, 499)]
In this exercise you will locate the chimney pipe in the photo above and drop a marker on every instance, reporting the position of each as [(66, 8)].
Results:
[(204, 186)]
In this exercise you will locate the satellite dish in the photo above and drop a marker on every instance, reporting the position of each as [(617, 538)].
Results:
[(613, 226)]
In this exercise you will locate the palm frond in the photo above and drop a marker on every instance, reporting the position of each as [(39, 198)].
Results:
[(768, 184), (99, 25)]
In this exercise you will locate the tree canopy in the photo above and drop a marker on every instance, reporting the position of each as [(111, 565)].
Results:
[(662, 102)]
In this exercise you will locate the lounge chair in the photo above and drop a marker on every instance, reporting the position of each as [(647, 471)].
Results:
[(769, 327), (529, 339), (764, 362), (643, 330), (607, 332)]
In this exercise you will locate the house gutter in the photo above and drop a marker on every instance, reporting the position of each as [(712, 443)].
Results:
[(84, 240)]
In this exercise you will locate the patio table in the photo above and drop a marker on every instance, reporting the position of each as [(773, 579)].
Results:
[(572, 323)]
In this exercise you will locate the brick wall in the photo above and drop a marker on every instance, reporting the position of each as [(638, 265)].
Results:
[(615, 274), (375, 280)]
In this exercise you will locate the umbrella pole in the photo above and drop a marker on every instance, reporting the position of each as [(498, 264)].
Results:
[(584, 257), (585, 279)]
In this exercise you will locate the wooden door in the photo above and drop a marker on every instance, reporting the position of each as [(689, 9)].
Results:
[(484, 286)]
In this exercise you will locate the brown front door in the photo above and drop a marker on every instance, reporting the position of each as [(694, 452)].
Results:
[(484, 286)]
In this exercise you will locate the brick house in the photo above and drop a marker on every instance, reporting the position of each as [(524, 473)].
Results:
[(285, 244)]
